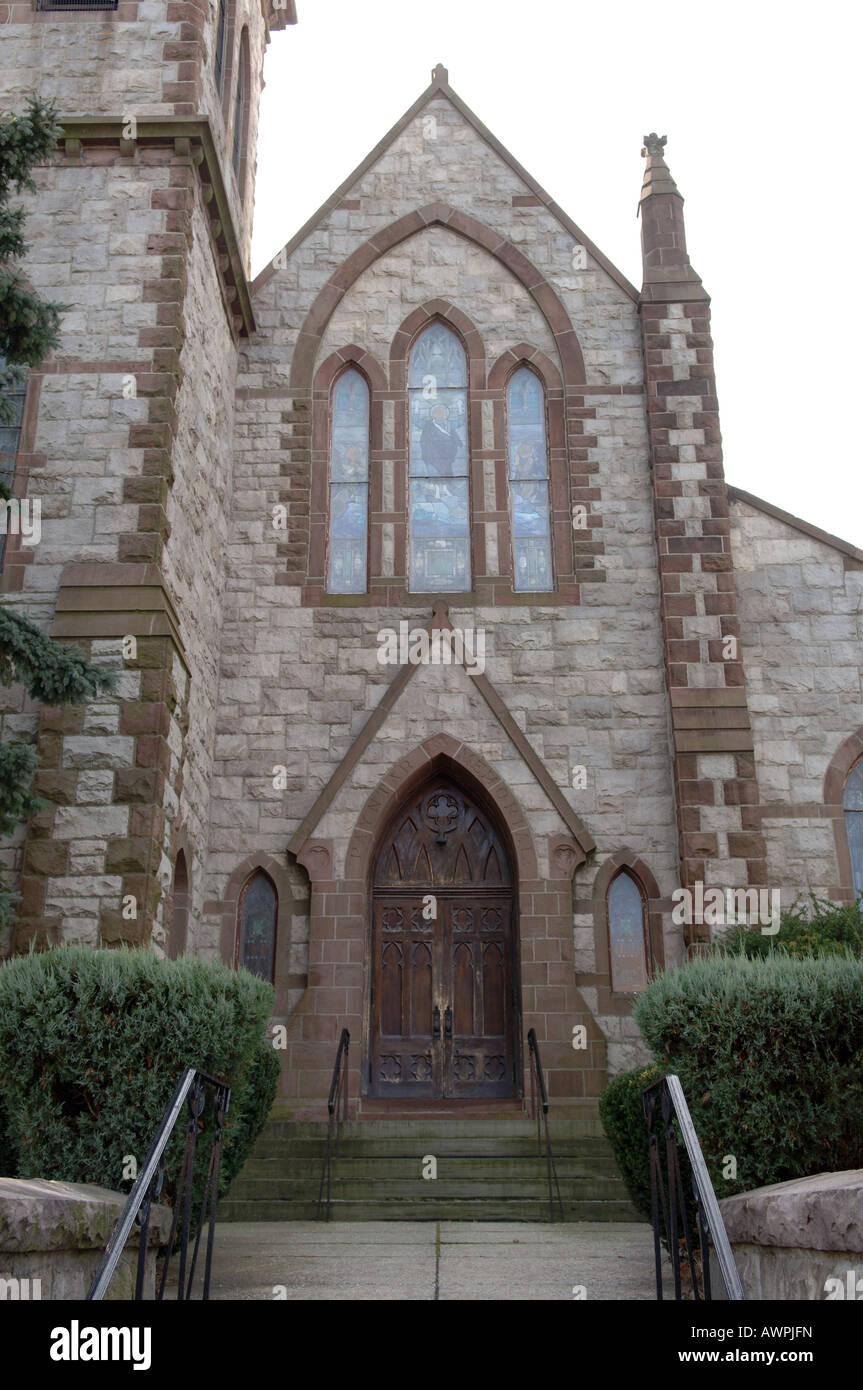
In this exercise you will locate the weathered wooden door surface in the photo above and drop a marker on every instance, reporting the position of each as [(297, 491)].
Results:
[(444, 989)]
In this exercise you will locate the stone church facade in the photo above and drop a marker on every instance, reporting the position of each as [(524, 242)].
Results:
[(454, 656)]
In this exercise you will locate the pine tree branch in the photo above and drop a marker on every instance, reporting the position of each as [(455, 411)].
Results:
[(51, 673)]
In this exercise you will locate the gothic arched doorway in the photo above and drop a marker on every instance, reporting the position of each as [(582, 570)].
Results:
[(444, 977)]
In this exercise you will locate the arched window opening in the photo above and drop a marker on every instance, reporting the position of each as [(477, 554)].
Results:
[(349, 485), (853, 805), (528, 482), (241, 102), (627, 935), (179, 909), (221, 36), (439, 490), (256, 926)]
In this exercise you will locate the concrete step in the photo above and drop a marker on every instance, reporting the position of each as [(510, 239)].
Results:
[(350, 1189), (394, 1166), (476, 1209), (488, 1169), (409, 1145)]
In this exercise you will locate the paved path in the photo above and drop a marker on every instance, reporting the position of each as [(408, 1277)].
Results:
[(446, 1260)]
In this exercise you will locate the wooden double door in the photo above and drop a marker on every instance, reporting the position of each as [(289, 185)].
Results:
[(444, 989)]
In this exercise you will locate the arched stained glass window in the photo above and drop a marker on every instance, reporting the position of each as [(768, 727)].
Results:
[(221, 34), (179, 910), (256, 926), (240, 102), (627, 937), (528, 482), (349, 485), (439, 491), (854, 822)]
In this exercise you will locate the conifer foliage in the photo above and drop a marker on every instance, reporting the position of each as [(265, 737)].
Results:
[(29, 330), (29, 327)]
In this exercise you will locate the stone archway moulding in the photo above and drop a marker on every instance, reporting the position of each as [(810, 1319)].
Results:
[(847, 754), (435, 214)]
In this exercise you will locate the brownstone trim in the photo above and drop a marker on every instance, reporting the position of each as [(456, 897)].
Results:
[(440, 87), (844, 760), (441, 753), (304, 831), (559, 434), (435, 214), (319, 465), (244, 66), (610, 1001), (228, 908), (179, 902), (227, 85), (193, 142)]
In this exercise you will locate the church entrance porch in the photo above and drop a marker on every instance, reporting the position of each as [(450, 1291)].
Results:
[(444, 998), (440, 933)]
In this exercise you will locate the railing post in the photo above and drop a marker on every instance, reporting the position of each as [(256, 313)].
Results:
[(149, 1184), (665, 1099)]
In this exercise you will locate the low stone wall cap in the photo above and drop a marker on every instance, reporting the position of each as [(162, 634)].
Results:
[(820, 1212), (42, 1214)]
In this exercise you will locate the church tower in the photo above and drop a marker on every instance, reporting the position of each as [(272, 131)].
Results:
[(141, 225)]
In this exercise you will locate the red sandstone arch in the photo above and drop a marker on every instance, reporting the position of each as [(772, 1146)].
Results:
[(229, 906), (420, 318), (847, 754), (622, 859), (446, 753), (524, 354), (435, 214), (350, 355)]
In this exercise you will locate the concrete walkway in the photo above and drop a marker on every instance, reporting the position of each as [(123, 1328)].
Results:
[(446, 1260)]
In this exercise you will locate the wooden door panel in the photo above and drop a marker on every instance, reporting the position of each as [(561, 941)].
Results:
[(480, 1055), (444, 1011), (402, 1058)]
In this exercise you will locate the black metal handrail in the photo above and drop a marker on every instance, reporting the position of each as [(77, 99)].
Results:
[(338, 1092), (537, 1079), (664, 1102), (192, 1088)]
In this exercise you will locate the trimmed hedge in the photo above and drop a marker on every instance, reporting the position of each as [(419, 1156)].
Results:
[(92, 1044), (810, 927), (770, 1056), (621, 1109)]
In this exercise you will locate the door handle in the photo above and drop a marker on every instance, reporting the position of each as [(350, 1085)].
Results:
[(436, 1022), (448, 1023)]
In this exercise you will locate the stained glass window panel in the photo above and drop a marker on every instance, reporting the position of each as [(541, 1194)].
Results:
[(626, 936), (258, 908), (349, 492), (439, 434), (854, 823), (437, 359), (439, 463), (528, 472)]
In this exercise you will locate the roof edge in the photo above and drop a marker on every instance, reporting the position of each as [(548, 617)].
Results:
[(737, 494), (440, 86)]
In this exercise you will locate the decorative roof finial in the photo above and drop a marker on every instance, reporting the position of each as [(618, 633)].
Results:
[(653, 144), (439, 73)]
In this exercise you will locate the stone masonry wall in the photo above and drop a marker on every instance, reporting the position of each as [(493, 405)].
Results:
[(585, 683), (801, 617), (125, 450), (146, 58)]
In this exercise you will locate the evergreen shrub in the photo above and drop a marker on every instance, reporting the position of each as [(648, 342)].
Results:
[(93, 1043), (770, 1056)]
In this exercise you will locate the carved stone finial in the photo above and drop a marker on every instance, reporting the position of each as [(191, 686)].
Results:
[(653, 144), (439, 73)]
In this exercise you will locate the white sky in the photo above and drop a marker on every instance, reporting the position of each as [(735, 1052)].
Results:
[(761, 105)]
